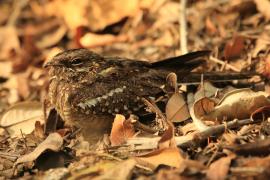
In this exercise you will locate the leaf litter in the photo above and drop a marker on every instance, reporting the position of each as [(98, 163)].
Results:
[(219, 130)]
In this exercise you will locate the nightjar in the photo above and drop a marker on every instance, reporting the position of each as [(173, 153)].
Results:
[(87, 89)]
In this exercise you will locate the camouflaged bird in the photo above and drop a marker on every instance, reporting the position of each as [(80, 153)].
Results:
[(88, 89)]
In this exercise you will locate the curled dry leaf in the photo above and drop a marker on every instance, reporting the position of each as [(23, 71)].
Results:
[(22, 117), (167, 140), (237, 104), (167, 152), (220, 168), (121, 130), (53, 142), (261, 114)]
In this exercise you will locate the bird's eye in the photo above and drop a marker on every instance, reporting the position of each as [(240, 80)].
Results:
[(76, 62)]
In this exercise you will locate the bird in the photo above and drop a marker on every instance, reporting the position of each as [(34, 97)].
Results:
[(87, 89)]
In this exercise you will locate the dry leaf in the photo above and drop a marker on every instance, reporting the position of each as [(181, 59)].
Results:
[(234, 48), (261, 44), (239, 104), (167, 140), (22, 117), (92, 40), (219, 169), (203, 106), (52, 38), (122, 170), (177, 109), (94, 14), (121, 130), (261, 113), (63, 9), (205, 90), (169, 156), (53, 142), (9, 41), (210, 26), (263, 6), (264, 67)]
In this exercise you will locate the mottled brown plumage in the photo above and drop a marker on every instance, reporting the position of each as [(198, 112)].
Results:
[(87, 89)]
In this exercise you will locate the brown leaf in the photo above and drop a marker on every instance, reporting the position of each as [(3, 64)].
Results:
[(234, 48), (210, 26), (167, 140), (219, 169), (203, 106), (122, 170), (53, 142), (93, 40), (239, 104), (22, 117), (261, 113), (177, 109), (168, 156), (262, 43), (9, 41), (121, 130), (263, 6)]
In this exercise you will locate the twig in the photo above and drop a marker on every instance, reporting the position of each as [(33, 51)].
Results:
[(24, 140), (143, 127), (211, 58), (9, 156), (143, 143), (183, 27), (18, 6)]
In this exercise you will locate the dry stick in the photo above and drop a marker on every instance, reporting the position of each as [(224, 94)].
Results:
[(224, 64), (18, 6), (141, 143), (183, 27)]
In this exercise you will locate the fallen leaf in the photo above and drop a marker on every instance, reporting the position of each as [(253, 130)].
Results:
[(123, 170), (177, 109), (93, 40), (53, 142), (265, 66), (9, 41), (210, 26), (121, 130), (203, 106), (234, 48), (205, 90), (219, 169), (94, 14), (239, 104), (169, 156), (263, 6), (262, 42), (167, 140), (52, 38), (22, 117), (261, 113)]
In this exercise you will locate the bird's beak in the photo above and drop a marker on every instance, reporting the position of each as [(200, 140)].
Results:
[(50, 63)]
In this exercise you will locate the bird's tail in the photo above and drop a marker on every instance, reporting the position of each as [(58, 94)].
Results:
[(188, 61)]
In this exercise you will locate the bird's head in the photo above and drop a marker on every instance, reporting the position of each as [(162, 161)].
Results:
[(72, 63)]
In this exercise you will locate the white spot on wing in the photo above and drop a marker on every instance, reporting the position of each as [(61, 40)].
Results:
[(94, 101)]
